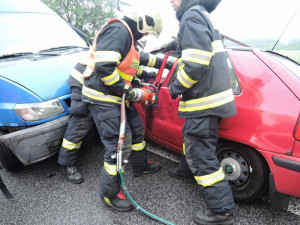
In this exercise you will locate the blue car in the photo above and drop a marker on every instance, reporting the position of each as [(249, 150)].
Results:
[(38, 50)]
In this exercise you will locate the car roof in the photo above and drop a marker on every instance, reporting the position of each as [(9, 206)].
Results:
[(27, 6)]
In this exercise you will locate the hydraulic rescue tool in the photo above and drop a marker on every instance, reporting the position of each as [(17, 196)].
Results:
[(143, 95), (146, 95)]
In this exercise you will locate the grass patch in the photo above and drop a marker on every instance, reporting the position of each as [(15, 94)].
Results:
[(292, 54)]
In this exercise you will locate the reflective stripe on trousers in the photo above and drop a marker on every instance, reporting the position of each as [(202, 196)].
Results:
[(200, 140), (78, 128), (107, 120)]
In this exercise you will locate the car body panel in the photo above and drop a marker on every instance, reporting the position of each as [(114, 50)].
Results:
[(27, 73), (286, 180), (40, 142)]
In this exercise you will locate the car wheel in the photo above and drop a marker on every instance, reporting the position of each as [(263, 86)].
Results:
[(8, 160), (245, 169)]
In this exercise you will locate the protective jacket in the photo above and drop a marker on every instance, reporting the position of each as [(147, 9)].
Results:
[(203, 75), (113, 65)]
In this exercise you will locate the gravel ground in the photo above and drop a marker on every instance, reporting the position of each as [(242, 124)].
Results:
[(41, 195)]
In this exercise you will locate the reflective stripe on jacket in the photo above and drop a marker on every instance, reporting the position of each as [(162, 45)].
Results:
[(203, 75), (77, 74)]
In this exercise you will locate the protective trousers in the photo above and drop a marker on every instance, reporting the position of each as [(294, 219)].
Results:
[(200, 140), (107, 120), (138, 156), (80, 123)]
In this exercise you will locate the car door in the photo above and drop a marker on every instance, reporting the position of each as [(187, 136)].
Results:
[(163, 124)]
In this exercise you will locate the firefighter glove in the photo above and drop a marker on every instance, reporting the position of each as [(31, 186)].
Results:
[(171, 46), (128, 91), (136, 82), (147, 75), (169, 64), (173, 96)]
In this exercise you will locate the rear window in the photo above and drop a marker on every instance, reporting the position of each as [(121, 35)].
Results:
[(289, 64)]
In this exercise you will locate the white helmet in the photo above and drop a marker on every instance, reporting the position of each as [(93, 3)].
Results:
[(147, 21)]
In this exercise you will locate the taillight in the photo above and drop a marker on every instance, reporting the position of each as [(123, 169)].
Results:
[(297, 131)]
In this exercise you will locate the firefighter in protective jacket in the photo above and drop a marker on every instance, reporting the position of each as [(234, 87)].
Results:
[(202, 81), (114, 62)]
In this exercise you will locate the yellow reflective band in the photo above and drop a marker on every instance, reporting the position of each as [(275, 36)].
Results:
[(140, 71), (184, 79), (138, 146), (111, 79), (69, 145), (217, 46), (197, 56), (77, 75), (110, 169), (210, 179), (125, 76), (107, 201), (152, 60), (107, 56), (180, 64), (211, 101), (183, 148), (93, 94)]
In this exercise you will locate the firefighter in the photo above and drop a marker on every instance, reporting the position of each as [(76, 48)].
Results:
[(79, 125), (81, 122), (114, 61), (203, 82)]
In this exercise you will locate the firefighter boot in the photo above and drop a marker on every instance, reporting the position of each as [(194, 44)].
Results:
[(180, 175), (73, 175), (183, 171), (150, 167), (119, 203), (206, 218)]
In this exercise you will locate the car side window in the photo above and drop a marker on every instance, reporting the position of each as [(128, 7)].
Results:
[(233, 78), (236, 88)]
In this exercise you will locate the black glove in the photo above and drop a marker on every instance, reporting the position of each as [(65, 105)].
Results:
[(173, 96), (136, 82), (171, 46), (128, 91), (169, 64), (147, 75), (151, 74)]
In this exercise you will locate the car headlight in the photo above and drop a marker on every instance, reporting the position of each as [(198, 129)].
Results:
[(40, 110)]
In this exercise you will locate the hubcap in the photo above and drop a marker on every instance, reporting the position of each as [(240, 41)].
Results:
[(235, 167)]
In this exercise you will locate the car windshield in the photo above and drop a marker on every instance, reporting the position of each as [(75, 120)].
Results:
[(33, 32)]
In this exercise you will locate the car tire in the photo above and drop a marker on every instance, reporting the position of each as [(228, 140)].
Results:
[(245, 169), (8, 160)]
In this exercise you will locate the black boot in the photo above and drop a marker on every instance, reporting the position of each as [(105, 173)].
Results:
[(151, 167), (73, 175), (119, 203), (179, 175), (213, 218)]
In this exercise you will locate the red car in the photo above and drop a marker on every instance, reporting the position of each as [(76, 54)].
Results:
[(259, 148)]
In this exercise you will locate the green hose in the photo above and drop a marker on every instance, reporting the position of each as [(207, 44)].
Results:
[(120, 162), (140, 208)]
